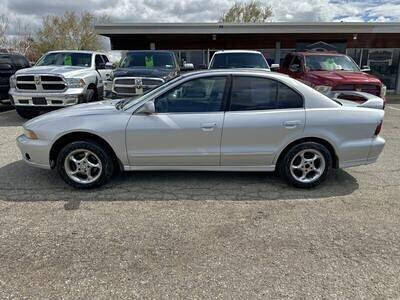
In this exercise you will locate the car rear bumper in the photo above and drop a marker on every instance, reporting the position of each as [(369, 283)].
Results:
[(375, 149), (66, 98), (34, 152)]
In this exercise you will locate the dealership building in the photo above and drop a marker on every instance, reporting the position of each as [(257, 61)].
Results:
[(374, 44)]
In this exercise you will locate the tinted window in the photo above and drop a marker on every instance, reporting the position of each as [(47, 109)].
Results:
[(288, 98), (238, 60), (105, 58), (66, 59), (6, 62), (252, 93), (296, 64), (148, 59), (21, 62), (98, 60), (198, 95)]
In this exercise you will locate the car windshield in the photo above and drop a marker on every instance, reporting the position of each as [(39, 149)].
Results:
[(330, 63), (66, 59), (148, 60), (238, 60)]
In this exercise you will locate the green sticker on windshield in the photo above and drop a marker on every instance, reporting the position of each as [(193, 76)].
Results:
[(149, 62), (67, 60)]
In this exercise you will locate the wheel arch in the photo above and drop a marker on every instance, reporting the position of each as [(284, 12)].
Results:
[(71, 137), (324, 142)]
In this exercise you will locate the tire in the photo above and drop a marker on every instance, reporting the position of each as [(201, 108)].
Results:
[(306, 165), (66, 165), (91, 95), (27, 113)]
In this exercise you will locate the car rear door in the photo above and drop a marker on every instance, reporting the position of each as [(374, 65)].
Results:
[(186, 128), (263, 116)]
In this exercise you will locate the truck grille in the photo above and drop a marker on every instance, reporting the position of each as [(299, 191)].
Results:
[(134, 85), (42, 83), (366, 88)]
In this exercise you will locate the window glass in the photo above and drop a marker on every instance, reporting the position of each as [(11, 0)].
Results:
[(66, 59), (21, 62), (330, 63), (6, 62), (198, 95), (98, 60), (252, 93), (105, 58), (148, 59), (296, 64), (288, 98), (238, 60)]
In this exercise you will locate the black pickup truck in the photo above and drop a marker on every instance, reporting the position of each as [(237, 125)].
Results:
[(140, 71), (9, 64)]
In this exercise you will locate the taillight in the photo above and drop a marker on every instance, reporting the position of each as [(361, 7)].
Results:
[(378, 128)]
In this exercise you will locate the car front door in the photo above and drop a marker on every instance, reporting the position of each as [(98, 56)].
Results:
[(264, 115), (296, 68), (186, 128)]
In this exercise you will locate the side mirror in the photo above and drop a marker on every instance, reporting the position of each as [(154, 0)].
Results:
[(274, 67), (32, 64), (366, 69), (109, 66), (187, 67), (295, 68), (147, 109)]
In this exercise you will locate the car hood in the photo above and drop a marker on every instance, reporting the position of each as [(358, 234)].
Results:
[(66, 71), (344, 77), (143, 72), (81, 110)]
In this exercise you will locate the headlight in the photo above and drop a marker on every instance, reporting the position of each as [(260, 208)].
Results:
[(13, 82), (75, 83), (383, 91), (30, 134), (324, 89)]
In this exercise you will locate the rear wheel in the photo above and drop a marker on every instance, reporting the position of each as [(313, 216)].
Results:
[(306, 165), (27, 113), (85, 164)]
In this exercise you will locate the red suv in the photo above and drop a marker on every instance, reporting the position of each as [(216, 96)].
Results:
[(328, 72)]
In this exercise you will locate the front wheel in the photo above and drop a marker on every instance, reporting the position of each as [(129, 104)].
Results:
[(306, 165), (27, 113), (85, 164)]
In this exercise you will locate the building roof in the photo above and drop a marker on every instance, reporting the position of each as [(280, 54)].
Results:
[(230, 28)]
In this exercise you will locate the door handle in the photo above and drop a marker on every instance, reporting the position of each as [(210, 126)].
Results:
[(209, 126), (292, 124)]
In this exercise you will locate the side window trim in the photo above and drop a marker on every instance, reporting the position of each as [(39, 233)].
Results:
[(232, 80), (223, 107)]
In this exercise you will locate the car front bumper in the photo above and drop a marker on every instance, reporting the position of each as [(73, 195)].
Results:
[(63, 99), (34, 152)]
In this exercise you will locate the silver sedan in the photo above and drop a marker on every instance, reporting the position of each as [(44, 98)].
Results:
[(221, 120)]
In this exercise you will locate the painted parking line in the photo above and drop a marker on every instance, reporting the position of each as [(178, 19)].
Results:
[(391, 107)]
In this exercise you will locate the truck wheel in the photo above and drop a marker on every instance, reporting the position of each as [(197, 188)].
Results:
[(306, 165), (27, 113), (85, 164), (91, 95)]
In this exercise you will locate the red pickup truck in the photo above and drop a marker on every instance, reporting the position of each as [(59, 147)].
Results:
[(328, 72)]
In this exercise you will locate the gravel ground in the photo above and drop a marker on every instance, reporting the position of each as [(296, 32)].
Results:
[(200, 235)]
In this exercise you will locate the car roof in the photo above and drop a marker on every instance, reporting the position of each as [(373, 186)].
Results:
[(76, 51), (150, 51), (236, 71), (319, 53), (238, 51)]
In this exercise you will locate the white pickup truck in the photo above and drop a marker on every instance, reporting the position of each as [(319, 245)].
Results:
[(59, 79)]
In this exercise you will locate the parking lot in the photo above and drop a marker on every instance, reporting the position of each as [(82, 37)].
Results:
[(200, 235)]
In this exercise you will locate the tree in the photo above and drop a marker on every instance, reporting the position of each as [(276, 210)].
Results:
[(251, 12), (4, 24), (69, 31)]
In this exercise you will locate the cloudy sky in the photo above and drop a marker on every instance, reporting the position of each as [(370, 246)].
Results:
[(205, 10)]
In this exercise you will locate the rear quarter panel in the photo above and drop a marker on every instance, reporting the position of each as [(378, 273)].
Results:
[(349, 130)]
